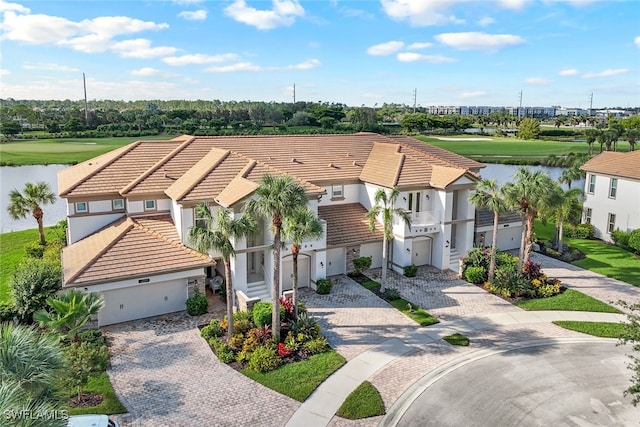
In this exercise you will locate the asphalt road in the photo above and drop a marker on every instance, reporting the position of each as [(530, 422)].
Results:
[(577, 384)]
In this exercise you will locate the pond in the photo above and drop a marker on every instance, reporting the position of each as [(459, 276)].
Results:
[(504, 173), (16, 177)]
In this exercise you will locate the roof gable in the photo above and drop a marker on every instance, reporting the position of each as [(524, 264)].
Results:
[(383, 165), (624, 165)]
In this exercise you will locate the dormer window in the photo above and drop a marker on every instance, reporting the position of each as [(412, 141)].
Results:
[(82, 207), (337, 192), (149, 205), (118, 204)]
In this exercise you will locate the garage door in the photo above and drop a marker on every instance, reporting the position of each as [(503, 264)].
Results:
[(421, 254), (303, 273), (336, 262), (141, 301)]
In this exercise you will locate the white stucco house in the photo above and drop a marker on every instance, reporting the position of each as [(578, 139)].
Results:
[(130, 210), (612, 192)]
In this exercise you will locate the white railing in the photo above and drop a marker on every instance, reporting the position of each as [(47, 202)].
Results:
[(420, 219)]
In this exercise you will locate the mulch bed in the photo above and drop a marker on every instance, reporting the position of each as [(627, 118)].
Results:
[(362, 279), (86, 400)]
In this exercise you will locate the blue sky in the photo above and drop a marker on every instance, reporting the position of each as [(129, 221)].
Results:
[(452, 52)]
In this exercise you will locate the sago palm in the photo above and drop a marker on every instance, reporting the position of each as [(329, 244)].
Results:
[(302, 225), (216, 235), (383, 207), (30, 201)]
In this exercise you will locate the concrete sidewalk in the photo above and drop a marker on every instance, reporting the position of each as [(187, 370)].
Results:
[(319, 409)]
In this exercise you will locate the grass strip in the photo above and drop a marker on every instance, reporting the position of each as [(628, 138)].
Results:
[(569, 300), (597, 329), (298, 380), (371, 284), (416, 313), (363, 402), (110, 405), (457, 339)]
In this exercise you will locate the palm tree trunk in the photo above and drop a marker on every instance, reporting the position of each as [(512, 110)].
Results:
[(523, 239), (294, 300), (383, 279), (275, 312), (229, 290), (494, 244), (38, 215), (560, 237), (529, 243)]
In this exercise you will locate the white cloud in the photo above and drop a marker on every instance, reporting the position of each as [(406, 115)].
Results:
[(193, 15), (487, 20), (15, 7), (479, 41), (422, 12), (283, 13), (536, 81), (474, 94), (385, 48), (418, 46), (417, 57), (513, 4), (141, 48), (50, 67), (200, 59), (606, 73), (568, 72), (637, 41), (240, 66), (306, 65), (145, 72)]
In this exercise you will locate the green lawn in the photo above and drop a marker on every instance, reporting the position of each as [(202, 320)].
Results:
[(11, 254), (457, 339), (363, 402), (601, 257), (569, 300), (110, 405), (62, 150), (598, 329), (416, 313), (298, 380)]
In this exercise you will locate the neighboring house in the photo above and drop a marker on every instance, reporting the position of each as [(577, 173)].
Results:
[(130, 211), (509, 229), (612, 192)]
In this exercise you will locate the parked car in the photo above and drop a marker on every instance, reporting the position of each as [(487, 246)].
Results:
[(91, 420)]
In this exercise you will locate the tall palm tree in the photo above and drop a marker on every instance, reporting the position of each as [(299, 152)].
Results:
[(31, 366), (384, 207), (528, 192), (29, 201), (568, 205), (489, 194), (216, 235), (632, 136), (70, 311), (591, 136), (571, 174), (300, 226), (277, 197)]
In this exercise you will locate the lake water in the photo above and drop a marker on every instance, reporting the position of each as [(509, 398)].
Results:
[(17, 176)]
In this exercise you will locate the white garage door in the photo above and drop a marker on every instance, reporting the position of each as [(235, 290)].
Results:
[(373, 250), (141, 301), (303, 273), (421, 253), (336, 262)]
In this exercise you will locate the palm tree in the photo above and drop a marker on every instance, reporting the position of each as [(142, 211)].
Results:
[(568, 206), (216, 235), (528, 192), (570, 174), (632, 136), (277, 197), (70, 311), (31, 366), (591, 136), (302, 225), (29, 201), (488, 194), (384, 207)]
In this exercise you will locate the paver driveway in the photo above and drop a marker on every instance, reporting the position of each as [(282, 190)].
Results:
[(166, 375)]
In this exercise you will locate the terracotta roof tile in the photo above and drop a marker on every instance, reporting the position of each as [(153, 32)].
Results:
[(347, 223), (129, 247), (442, 176), (624, 165), (383, 165), (198, 171), (484, 217)]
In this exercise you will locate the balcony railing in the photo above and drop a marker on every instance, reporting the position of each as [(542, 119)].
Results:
[(420, 219)]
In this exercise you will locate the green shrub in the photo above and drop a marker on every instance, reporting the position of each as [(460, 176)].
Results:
[(307, 326), (34, 250), (324, 286), (509, 282), (360, 264), (242, 326), (262, 313), (316, 345), (621, 238), (197, 304), (223, 351), (92, 337), (503, 259), (236, 341), (391, 294), (263, 359), (410, 270), (548, 290), (32, 283), (580, 231), (475, 275), (212, 330), (634, 240), (242, 315), (477, 257), (7, 311)]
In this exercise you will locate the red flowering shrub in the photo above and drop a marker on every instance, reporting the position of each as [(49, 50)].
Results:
[(283, 351)]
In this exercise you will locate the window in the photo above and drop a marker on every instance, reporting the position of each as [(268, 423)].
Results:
[(587, 215), (337, 192), (612, 223), (82, 207), (592, 184), (149, 205), (199, 222), (118, 204), (613, 187), (414, 202)]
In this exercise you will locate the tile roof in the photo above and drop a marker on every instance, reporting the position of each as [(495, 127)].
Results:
[(624, 165), (127, 248), (383, 165), (347, 223), (484, 217)]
